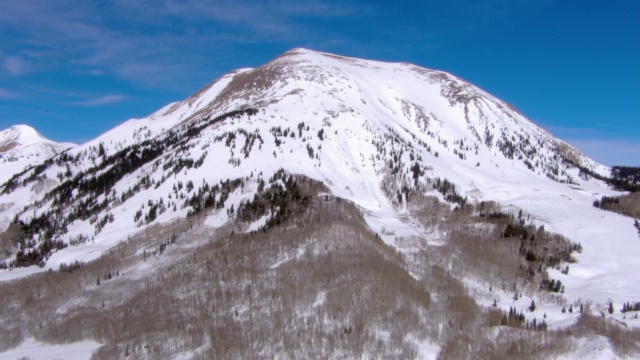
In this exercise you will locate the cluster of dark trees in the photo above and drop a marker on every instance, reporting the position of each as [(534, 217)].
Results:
[(552, 285), (526, 148), (535, 245), (152, 213), (460, 154), (628, 205), (517, 320), (214, 196), (416, 172), (448, 190), (630, 306), (70, 267), (495, 215), (517, 230), (626, 176), (37, 255), (277, 133), (107, 276), (195, 128), (564, 309), (622, 178), (301, 128), (507, 147), (283, 198), (395, 162), (230, 137), (79, 197), (310, 151), (85, 194), (606, 202), (250, 139), (538, 249), (488, 137)]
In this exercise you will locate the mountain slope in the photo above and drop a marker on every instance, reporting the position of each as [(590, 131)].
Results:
[(378, 122), (21, 146), (379, 135)]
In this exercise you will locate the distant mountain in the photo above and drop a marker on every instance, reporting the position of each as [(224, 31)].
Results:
[(22, 146), (413, 169)]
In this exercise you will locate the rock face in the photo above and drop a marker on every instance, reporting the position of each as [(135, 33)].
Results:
[(375, 134)]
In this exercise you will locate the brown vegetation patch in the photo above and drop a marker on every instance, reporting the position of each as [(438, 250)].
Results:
[(628, 205)]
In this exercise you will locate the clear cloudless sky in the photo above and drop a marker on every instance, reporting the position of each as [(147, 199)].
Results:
[(75, 69)]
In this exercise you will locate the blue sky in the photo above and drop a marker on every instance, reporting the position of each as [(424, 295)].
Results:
[(74, 69)]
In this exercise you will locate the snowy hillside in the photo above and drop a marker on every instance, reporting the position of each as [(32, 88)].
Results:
[(379, 135), (22, 146)]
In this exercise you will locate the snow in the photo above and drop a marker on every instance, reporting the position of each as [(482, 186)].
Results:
[(22, 146), (604, 271), (593, 347), (320, 299), (20, 135), (217, 219), (34, 350), (299, 254), (357, 103), (256, 225), (428, 351)]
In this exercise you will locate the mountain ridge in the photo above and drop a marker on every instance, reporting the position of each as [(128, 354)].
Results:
[(377, 134), (21, 146), (321, 205)]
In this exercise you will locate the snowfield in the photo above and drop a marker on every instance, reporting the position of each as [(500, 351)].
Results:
[(35, 350), (21, 146)]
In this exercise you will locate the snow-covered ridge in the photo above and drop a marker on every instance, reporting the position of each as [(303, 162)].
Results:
[(22, 146), (20, 136), (162, 120), (373, 132)]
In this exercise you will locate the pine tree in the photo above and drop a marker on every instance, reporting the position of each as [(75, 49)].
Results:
[(610, 308), (532, 307)]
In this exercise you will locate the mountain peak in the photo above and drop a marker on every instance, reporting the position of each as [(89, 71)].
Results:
[(375, 133), (19, 135), (22, 146), (413, 163)]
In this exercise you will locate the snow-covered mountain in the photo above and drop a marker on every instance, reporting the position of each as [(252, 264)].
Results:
[(376, 134), (22, 146)]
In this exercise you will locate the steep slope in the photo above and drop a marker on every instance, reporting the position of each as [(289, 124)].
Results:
[(376, 134), (22, 146)]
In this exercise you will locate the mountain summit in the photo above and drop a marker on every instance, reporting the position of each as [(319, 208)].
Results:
[(373, 132), (22, 145), (19, 135), (436, 177)]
